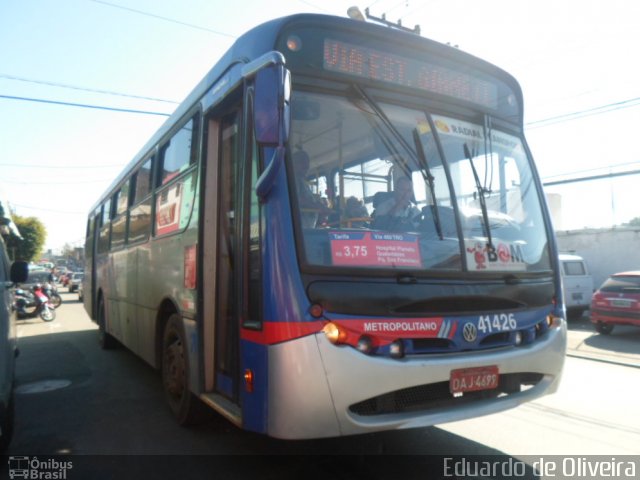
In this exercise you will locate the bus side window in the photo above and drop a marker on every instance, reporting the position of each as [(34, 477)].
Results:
[(140, 213), (119, 223), (178, 154), (105, 227)]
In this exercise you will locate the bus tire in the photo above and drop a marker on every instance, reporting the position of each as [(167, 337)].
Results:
[(106, 341), (186, 407)]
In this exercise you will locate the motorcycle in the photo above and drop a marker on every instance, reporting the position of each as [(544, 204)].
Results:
[(33, 304), (51, 291)]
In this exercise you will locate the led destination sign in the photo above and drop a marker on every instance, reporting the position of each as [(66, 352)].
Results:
[(409, 72)]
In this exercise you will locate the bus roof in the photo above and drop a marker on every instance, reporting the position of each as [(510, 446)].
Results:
[(263, 38)]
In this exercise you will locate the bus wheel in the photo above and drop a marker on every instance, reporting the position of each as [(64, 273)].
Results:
[(185, 406), (604, 328), (106, 341)]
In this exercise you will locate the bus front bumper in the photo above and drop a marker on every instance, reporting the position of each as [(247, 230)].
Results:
[(318, 389)]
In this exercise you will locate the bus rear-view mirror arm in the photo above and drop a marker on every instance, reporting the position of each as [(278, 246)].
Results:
[(268, 176), (272, 91)]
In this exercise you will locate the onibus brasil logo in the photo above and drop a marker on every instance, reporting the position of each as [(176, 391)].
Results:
[(36, 469)]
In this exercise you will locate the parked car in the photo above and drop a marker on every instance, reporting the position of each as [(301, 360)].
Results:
[(35, 276), (617, 302), (577, 283), (74, 281), (9, 275)]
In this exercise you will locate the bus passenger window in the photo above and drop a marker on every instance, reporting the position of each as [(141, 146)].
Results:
[(105, 227), (140, 221), (177, 155)]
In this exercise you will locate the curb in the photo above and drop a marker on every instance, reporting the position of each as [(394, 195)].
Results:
[(596, 358)]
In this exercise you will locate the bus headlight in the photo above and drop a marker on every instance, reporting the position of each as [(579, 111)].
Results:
[(335, 334), (396, 349), (518, 338), (365, 344), (553, 321)]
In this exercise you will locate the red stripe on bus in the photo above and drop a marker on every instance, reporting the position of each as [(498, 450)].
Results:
[(384, 330), (277, 332)]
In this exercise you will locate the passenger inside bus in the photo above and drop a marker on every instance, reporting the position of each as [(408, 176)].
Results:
[(311, 206), (396, 210), (356, 213)]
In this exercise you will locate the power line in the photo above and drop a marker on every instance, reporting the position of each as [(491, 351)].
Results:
[(626, 164), (84, 105), (23, 165), (84, 89), (610, 107), (50, 182), (166, 19), (591, 177), (66, 212)]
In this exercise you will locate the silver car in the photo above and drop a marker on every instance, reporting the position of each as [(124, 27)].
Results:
[(76, 280)]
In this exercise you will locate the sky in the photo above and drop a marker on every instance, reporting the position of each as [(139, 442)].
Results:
[(576, 61)]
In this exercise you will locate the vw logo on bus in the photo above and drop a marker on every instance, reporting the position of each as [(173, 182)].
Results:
[(469, 332)]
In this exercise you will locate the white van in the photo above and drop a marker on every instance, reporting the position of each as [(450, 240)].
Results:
[(577, 284)]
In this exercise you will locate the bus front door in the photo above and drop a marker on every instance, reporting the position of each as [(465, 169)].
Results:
[(221, 293)]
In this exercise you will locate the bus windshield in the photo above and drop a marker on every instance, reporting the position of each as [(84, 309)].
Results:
[(384, 186)]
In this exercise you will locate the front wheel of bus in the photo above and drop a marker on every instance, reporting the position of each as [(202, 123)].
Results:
[(175, 374)]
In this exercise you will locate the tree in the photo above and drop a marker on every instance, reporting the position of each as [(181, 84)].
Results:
[(67, 250), (634, 222), (33, 234)]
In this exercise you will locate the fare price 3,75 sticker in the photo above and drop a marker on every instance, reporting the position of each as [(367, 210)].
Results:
[(371, 249)]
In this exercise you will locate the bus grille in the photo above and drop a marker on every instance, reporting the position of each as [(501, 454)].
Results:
[(437, 395)]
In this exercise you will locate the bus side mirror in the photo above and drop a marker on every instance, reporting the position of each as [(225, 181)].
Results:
[(19, 271), (272, 117), (271, 105)]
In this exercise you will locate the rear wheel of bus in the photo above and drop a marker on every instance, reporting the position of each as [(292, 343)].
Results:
[(185, 406)]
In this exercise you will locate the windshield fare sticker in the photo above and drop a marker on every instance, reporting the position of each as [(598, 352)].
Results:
[(370, 249), (501, 257)]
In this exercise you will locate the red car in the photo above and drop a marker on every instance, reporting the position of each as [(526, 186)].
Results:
[(617, 302)]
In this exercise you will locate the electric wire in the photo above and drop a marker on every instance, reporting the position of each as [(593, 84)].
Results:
[(50, 210), (609, 107), (85, 105), (166, 19), (84, 89)]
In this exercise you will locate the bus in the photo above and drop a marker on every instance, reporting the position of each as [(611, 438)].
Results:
[(261, 252)]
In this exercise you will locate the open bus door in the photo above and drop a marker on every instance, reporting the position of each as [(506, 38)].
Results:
[(221, 263), (234, 186)]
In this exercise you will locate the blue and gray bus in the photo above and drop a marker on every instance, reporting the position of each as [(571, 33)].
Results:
[(341, 230)]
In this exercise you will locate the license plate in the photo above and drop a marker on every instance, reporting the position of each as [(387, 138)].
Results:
[(576, 296), (474, 379), (620, 303)]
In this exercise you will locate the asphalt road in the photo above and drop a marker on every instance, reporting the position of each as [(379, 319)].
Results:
[(105, 411)]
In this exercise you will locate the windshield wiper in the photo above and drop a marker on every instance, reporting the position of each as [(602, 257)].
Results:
[(390, 127), (481, 197), (418, 154), (429, 178)]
